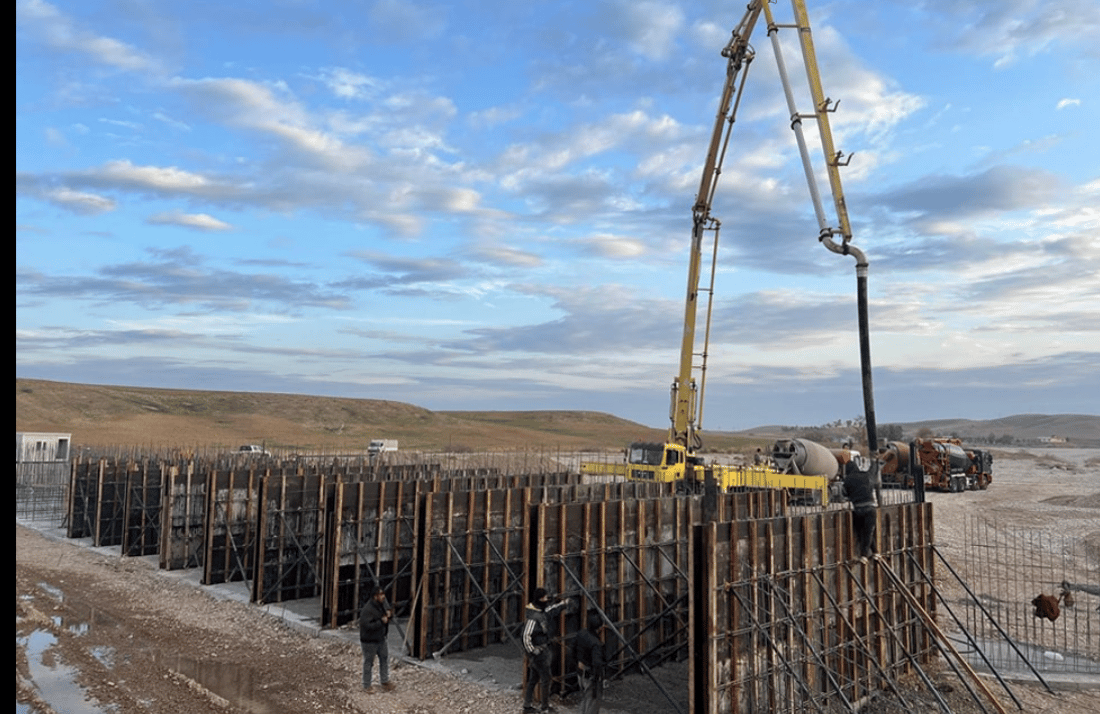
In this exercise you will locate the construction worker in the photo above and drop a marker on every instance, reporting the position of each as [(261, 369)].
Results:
[(860, 491), (589, 650), (536, 648)]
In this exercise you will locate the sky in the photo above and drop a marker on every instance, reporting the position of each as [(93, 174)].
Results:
[(487, 205)]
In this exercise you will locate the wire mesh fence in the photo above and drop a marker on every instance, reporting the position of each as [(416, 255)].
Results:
[(42, 490), (1042, 588)]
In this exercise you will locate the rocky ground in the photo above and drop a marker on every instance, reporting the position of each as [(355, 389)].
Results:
[(100, 633)]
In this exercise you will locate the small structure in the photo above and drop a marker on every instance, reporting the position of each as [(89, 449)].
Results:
[(41, 473), (39, 447)]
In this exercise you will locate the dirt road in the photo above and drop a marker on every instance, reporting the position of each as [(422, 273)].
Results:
[(100, 633)]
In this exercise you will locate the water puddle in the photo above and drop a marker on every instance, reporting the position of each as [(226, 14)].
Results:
[(55, 682), (1007, 660)]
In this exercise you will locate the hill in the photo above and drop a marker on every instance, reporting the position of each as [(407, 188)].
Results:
[(1069, 429), (98, 415)]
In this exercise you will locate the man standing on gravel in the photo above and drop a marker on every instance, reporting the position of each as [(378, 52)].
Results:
[(374, 625), (536, 649)]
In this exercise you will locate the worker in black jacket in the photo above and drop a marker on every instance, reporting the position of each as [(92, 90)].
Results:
[(536, 648), (589, 650), (374, 626), (860, 491)]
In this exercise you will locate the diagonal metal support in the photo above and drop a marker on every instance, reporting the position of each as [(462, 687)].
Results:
[(303, 557), (966, 633), (638, 658), (234, 550), (946, 642), (944, 707), (760, 629), (861, 643), (484, 595), (652, 586), (991, 619)]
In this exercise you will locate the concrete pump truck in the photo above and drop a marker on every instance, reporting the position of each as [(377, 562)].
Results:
[(678, 459)]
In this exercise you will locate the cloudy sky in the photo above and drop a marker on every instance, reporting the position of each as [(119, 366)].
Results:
[(487, 205)]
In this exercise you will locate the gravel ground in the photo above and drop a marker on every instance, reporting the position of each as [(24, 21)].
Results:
[(100, 633)]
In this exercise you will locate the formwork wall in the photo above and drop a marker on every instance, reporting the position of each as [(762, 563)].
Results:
[(770, 608), (784, 619)]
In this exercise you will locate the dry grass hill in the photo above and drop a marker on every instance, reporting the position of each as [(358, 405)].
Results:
[(101, 416), (109, 415)]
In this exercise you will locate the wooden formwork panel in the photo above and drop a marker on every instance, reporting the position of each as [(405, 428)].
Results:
[(290, 531), (784, 619), (470, 577), (371, 541), (97, 502), (183, 516), (624, 561), (607, 491), (230, 529), (144, 487), (84, 498), (111, 504)]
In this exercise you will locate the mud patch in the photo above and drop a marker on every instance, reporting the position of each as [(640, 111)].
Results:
[(1090, 501)]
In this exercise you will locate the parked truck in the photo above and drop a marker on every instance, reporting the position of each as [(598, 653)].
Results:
[(377, 446), (943, 464)]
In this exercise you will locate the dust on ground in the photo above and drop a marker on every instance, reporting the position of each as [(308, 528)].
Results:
[(136, 639)]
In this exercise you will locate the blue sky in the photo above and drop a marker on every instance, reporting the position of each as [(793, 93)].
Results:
[(486, 205)]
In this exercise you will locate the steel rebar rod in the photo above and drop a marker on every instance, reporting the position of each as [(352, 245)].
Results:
[(930, 621), (992, 619), (731, 587), (638, 658), (944, 706), (969, 637)]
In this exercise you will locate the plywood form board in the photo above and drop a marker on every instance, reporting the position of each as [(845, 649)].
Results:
[(784, 619), (142, 509), (290, 531), (230, 530), (184, 515), (371, 541), (470, 577)]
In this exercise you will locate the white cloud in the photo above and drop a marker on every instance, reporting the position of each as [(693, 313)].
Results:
[(651, 26), (60, 32), (1063, 103), (346, 84), (612, 246), (273, 110), (153, 177), (198, 221), (79, 201)]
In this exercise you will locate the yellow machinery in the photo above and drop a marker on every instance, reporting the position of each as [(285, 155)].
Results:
[(668, 463), (677, 460)]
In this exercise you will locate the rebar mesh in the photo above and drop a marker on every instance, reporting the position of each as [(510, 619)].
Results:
[(1008, 568)]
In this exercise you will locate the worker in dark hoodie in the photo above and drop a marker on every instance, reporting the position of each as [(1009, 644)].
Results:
[(536, 648), (859, 487), (589, 650)]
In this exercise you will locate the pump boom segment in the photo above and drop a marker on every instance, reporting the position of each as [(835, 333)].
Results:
[(670, 461)]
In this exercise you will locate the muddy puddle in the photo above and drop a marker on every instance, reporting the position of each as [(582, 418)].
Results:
[(60, 653)]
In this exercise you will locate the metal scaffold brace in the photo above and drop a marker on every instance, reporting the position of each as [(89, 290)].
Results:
[(966, 633), (996, 625), (490, 602), (943, 641), (817, 656), (637, 658)]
